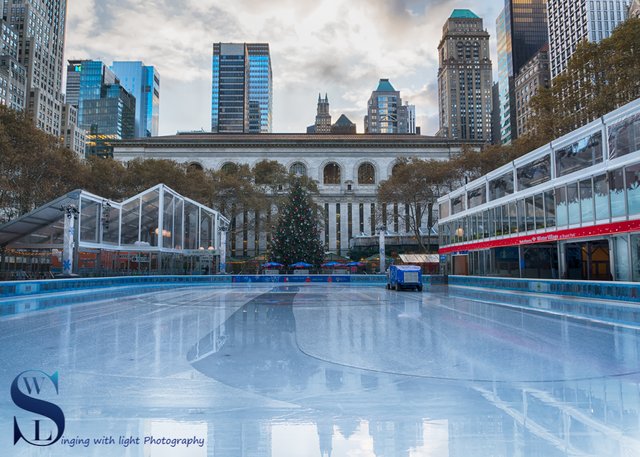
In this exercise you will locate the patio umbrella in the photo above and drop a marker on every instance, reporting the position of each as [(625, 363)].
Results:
[(301, 265), (355, 264), (333, 264), (272, 265)]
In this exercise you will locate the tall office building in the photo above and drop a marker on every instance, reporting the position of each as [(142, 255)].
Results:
[(382, 109), (13, 76), (241, 88), (407, 119), (40, 25), (572, 22), (105, 109), (323, 117), (533, 76), (464, 78), (143, 82), (73, 137), (522, 30)]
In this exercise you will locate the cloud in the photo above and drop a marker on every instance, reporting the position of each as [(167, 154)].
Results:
[(339, 47)]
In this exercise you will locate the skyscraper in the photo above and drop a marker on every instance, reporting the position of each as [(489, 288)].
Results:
[(522, 30), (464, 78), (323, 117), (407, 119), (13, 76), (572, 22), (382, 109), (40, 25), (105, 109), (143, 82), (533, 76), (241, 88)]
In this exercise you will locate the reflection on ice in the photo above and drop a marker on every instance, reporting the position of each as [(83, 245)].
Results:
[(330, 370)]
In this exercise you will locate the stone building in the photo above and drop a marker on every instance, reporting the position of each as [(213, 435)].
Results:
[(348, 169)]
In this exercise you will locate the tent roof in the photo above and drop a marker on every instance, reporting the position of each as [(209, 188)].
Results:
[(39, 218)]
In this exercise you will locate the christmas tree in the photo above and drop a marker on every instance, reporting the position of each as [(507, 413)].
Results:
[(297, 238)]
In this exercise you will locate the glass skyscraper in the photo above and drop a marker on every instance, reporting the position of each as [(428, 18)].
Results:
[(382, 109), (241, 88), (143, 82), (105, 109), (522, 30)]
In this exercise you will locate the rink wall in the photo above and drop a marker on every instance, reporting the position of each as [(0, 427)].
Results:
[(48, 286), (603, 290)]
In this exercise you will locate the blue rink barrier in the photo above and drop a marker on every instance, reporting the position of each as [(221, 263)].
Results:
[(48, 286), (603, 290)]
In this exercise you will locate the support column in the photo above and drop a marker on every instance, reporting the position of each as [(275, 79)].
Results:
[(223, 250), (68, 244), (382, 249)]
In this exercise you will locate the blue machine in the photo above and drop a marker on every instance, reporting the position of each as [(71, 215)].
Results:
[(405, 277)]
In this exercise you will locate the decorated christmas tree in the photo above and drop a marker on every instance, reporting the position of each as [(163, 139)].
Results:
[(297, 238)]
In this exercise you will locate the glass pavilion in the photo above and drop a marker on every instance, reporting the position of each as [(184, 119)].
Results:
[(155, 232)]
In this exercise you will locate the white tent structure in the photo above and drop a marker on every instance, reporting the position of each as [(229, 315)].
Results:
[(157, 231)]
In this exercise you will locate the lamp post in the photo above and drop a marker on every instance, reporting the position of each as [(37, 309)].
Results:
[(381, 231)]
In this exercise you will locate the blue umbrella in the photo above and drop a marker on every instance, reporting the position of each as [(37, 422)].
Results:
[(272, 264), (333, 264), (355, 264), (301, 265)]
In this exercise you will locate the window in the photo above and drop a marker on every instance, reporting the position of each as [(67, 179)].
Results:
[(633, 188), (298, 169), (616, 193), (457, 204), (624, 137), (579, 155), (476, 197), (366, 174), (501, 186), (534, 173), (331, 173)]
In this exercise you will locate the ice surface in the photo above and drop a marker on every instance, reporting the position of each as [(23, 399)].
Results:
[(318, 370)]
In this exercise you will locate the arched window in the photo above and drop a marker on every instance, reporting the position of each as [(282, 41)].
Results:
[(229, 168), (366, 174), (195, 166), (395, 168), (332, 173), (298, 169)]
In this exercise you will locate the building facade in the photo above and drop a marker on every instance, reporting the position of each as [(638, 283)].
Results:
[(40, 25), (13, 83), (143, 82), (407, 119), (572, 22), (464, 79), (634, 9), (382, 109), (73, 137), (241, 88), (522, 30), (570, 209), (348, 169), (106, 111), (533, 76), (323, 117)]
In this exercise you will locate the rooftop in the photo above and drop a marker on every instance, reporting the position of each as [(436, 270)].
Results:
[(463, 14), (385, 86)]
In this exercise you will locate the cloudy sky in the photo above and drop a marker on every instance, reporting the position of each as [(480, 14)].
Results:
[(341, 47)]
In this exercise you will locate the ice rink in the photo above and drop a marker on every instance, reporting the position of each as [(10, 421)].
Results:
[(321, 370)]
